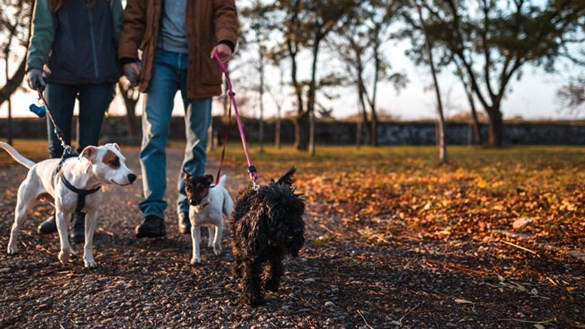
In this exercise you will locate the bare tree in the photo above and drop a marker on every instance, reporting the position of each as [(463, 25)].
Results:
[(14, 23), (491, 42), (429, 54), (359, 47), (572, 95), (278, 99)]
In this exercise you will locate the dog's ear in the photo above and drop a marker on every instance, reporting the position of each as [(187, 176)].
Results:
[(116, 146), (288, 177), (209, 178), (186, 175), (89, 152)]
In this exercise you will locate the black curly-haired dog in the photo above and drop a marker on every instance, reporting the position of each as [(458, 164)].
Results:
[(266, 225)]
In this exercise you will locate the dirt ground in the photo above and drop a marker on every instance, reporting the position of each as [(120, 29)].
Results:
[(339, 281)]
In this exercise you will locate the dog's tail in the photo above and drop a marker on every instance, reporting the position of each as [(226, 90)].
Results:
[(288, 177), (222, 180), (17, 156)]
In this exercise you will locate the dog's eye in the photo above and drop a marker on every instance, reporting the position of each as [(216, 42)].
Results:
[(188, 188), (115, 162)]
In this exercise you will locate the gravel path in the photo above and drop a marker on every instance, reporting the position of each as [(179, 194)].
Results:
[(341, 280), (150, 283)]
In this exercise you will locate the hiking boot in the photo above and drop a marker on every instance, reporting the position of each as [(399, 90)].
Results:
[(152, 227), (184, 223), (78, 230), (48, 226)]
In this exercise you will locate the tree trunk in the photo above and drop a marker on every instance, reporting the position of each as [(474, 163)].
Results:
[(277, 143), (374, 129), (365, 121), (312, 133), (13, 83), (496, 129), (429, 53), (363, 118), (474, 119), (261, 100), (301, 123), (312, 90)]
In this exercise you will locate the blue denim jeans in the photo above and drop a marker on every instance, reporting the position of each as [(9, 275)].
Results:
[(170, 76), (94, 101)]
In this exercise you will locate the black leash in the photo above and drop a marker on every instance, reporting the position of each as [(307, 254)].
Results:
[(67, 149)]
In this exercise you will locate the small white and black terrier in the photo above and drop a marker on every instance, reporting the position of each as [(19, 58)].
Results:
[(208, 203), (267, 225)]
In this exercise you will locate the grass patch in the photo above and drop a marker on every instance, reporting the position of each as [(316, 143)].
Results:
[(33, 149), (392, 189)]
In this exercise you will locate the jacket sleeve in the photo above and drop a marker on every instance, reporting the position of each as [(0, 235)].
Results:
[(117, 12), (43, 34), (133, 28), (225, 21)]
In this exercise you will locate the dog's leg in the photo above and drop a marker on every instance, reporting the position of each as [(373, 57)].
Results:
[(196, 238), (274, 272), (210, 235), (25, 202), (91, 220), (237, 267), (217, 239), (61, 217), (252, 277)]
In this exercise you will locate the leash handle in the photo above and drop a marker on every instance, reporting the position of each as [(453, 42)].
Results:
[(56, 128), (251, 168)]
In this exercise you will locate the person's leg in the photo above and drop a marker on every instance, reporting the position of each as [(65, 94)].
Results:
[(197, 121), (61, 101), (94, 101), (156, 118)]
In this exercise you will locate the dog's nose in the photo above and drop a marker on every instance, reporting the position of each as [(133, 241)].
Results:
[(131, 178)]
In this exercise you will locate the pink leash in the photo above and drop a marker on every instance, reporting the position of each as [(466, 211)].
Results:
[(251, 168)]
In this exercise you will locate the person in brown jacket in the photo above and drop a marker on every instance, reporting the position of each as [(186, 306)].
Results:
[(177, 40)]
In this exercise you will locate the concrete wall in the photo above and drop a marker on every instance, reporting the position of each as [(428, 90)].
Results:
[(339, 133)]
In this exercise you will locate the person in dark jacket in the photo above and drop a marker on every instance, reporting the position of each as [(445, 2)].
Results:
[(177, 39), (72, 56)]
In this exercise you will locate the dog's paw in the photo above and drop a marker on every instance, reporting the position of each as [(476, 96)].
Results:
[(12, 250), (272, 286), (90, 263), (253, 301), (64, 256), (217, 249), (195, 261)]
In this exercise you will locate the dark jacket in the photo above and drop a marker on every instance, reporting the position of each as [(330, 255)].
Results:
[(78, 43), (208, 22)]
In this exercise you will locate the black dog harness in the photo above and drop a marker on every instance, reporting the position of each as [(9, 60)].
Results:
[(81, 194)]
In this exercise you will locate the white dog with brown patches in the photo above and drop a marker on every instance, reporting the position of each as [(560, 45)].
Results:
[(73, 185)]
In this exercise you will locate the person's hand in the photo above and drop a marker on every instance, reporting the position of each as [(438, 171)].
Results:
[(132, 72), (224, 52), (35, 79)]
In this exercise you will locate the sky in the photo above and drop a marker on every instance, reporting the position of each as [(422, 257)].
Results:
[(531, 97)]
